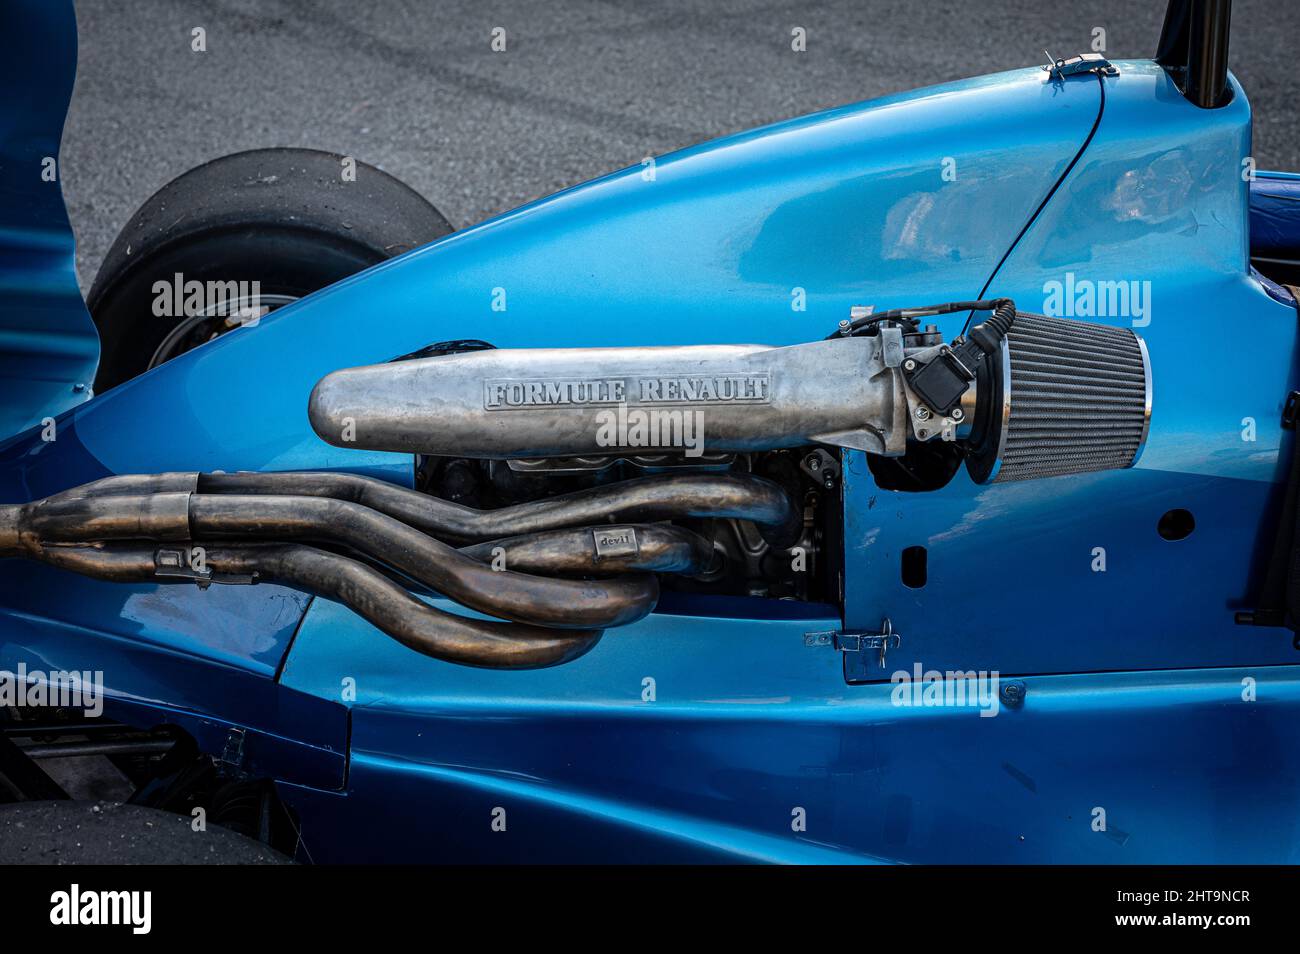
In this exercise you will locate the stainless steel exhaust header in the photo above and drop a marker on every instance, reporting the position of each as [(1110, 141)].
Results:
[(540, 566)]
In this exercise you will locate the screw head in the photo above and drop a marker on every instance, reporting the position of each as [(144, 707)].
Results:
[(922, 413), (958, 414), (1013, 694), (909, 365)]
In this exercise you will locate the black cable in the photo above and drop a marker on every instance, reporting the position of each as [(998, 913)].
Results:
[(911, 315), (1096, 123)]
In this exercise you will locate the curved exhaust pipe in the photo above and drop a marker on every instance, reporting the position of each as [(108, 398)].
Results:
[(366, 591), (203, 528)]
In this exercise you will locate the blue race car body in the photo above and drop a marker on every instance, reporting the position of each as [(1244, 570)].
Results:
[(699, 732)]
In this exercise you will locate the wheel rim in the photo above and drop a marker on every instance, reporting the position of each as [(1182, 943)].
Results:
[(215, 321)]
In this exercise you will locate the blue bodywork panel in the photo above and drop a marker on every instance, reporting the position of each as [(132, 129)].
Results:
[(1184, 769), (1275, 215), (699, 732), (1157, 197), (287, 734), (48, 344)]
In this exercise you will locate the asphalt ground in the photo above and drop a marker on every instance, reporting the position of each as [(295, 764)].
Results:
[(583, 87)]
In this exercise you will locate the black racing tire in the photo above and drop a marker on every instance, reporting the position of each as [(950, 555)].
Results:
[(283, 217)]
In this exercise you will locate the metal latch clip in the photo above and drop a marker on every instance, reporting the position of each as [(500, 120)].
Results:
[(858, 641)]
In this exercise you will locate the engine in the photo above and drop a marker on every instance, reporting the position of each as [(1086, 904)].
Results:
[(1025, 396), (559, 491)]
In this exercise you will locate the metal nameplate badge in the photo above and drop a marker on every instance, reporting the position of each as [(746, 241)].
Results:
[(742, 388), (617, 541)]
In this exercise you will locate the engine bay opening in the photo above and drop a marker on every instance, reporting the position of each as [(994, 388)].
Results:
[(742, 560), (560, 491)]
